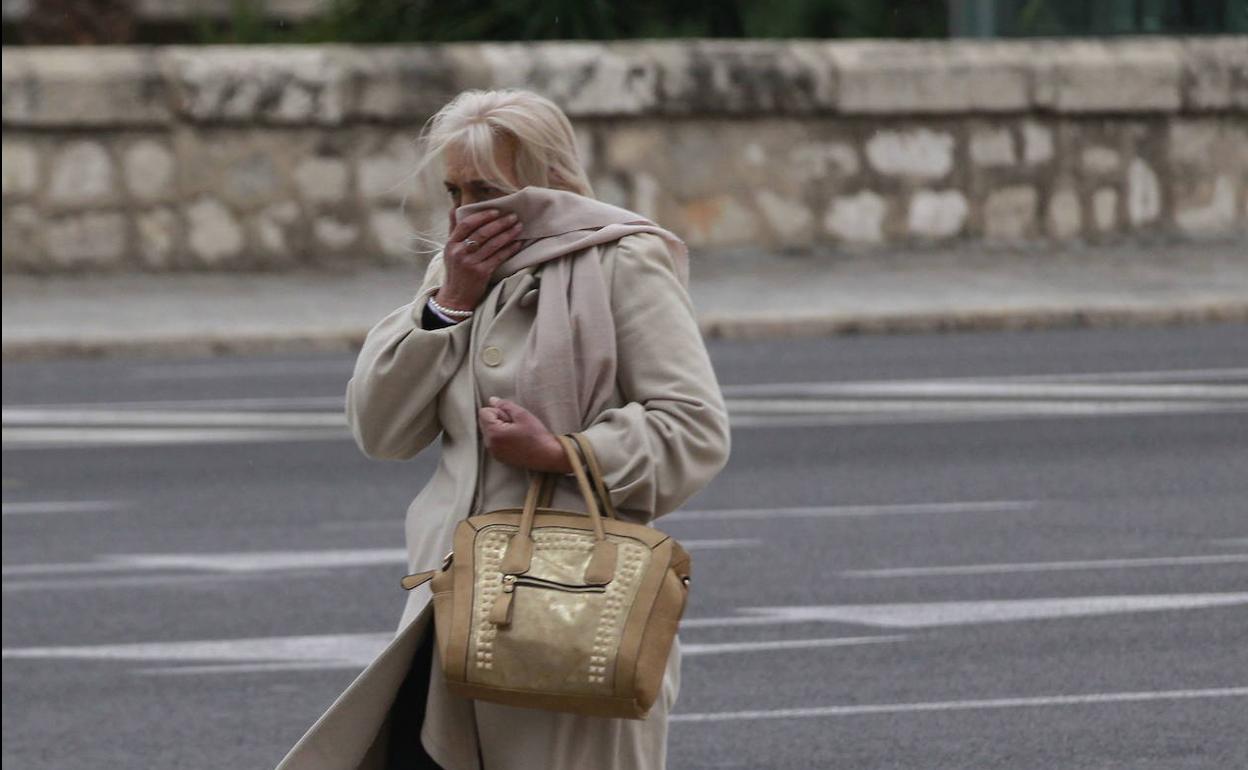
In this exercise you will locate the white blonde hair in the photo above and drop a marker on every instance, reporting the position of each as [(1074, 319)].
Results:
[(475, 120)]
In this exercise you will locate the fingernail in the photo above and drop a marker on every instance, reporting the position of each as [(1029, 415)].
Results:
[(493, 400), (512, 217)]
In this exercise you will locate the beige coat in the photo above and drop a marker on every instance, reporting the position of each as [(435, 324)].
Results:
[(662, 439)]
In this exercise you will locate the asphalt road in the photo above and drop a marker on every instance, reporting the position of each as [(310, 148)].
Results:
[(1006, 550)]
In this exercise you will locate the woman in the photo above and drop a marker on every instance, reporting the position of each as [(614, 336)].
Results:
[(547, 312)]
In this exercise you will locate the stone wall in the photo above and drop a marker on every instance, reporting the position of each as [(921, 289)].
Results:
[(257, 158)]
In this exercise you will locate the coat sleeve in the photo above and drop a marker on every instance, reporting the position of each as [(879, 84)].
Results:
[(392, 396), (671, 437)]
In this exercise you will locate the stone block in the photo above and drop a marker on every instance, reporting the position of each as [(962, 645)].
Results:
[(646, 196), (907, 78), (394, 233), (322, 179), (1037, 143), (93, 239), (1100, 160), (586, 79), (1065, 217), (82, 173), (408, 83), (1193, 143), (736, 77), (1105, 209), (1010, 213), (609, 189), (917, 154), (992, 147), (158, 231), (719, 221), (272, 224), (637, 146), (1215, 73), (936, 214), (149, 170), (22, 236), (857, 218), (251, 178), (19, 161), (1143, 193), (790, 220), (821, 160), (259, 84), (214, 234), (1120, 76), (334, 233), (97, 86), (1208, 211), (385, 174)]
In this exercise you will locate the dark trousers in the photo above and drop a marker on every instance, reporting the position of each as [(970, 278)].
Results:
[(407, 714)]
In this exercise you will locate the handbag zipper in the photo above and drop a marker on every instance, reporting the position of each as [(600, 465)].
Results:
[(500, 613), (511, 581)]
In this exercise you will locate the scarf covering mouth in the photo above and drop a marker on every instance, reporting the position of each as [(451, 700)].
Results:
[(568, 370)]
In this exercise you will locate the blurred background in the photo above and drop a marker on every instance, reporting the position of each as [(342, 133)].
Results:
[(392, 21), (973, 275)]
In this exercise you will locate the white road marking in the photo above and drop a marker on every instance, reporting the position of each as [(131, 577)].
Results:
[(952, 416), (800, 512), (930, 614), (693, 649), (962, 705), (276, 402), (839, 511), (60, 438), (787, 406), (137, 417), (66, 506), (330, 650), (1182, 376), (986, 389), (711, 544), (1046, 566), (766, 405), (236, 562), (237, 369), (326, 651)]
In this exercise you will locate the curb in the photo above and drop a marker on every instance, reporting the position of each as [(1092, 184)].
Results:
[(773, 327), (719, 327)]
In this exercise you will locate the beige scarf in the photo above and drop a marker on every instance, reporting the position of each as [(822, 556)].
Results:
[(568, 374)]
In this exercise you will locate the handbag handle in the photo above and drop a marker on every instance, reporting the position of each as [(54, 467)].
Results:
[(595, 473), (519, 554)]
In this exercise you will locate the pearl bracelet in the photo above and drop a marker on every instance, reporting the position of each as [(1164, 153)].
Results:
[(447, 311)]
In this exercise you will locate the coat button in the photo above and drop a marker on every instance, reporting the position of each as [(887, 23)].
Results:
[(529, 299), (492, 356)]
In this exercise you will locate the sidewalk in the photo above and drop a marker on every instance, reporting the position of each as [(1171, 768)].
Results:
[(736, 296)]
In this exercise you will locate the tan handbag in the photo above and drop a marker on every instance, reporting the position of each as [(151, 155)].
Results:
[(559, 610)]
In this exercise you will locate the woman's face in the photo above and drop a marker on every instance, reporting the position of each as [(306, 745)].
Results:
[(463, 180)]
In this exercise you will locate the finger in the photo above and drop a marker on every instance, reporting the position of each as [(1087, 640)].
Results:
[(471, 222), (494, 227), (489, 418), (491, 263), (489, 250), (510, 409)]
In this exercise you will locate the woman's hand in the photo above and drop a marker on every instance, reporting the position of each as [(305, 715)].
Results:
[(477, 245), (515, 436)]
